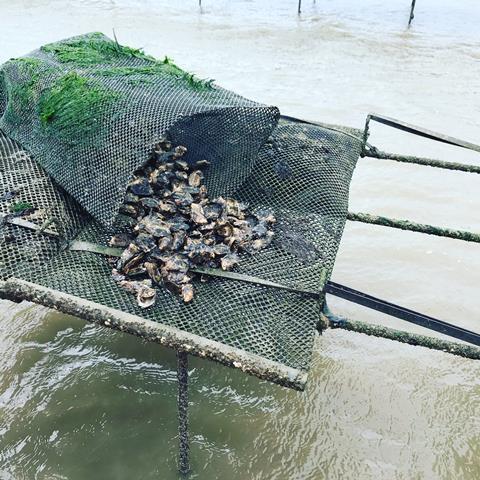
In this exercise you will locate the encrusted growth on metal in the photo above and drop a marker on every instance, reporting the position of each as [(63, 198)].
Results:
[(414, 227), (18, 290), (459, 349), (373, 152)]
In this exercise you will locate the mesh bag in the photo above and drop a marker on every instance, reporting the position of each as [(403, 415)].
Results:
[(90, 111), (302, 171)]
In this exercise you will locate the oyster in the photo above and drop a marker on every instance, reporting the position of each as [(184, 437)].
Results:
[(130, 210), (167, 206), (127, 255), (195, 178), (202, 163), (178, 240), (145, 242), (165, 243), (187, 292), (154, 225), (153, 271), (229, 261), (120, 240), (174, 226), (141, 187), (197, 214), (182, 165), (179, 151), (146, 296), (149, 202), (266, 215)]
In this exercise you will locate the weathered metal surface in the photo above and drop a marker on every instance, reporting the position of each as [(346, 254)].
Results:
[(81, 246), (422, 132), (184, 447), (214, 272), (373, 152), (414, 227), (403, 313), (330, 320), (18, 290)]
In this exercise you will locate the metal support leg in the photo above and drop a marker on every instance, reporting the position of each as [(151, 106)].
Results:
[(182, 376), (412, 15)]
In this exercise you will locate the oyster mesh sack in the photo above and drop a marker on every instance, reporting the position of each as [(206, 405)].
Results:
[(79, 116)]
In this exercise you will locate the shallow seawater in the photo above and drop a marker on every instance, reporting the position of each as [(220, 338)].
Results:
[(77, 401)]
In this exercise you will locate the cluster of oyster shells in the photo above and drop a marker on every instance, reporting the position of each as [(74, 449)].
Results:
[(176, 227)]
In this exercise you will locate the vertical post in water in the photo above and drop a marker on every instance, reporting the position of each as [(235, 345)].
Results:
[(182, 376), (299, 7), (411, 13)]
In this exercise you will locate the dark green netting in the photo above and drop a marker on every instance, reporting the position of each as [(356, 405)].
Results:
[(302, 171), (90, 111)]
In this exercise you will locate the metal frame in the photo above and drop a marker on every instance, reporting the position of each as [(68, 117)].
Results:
[(18, 290), (186, 343)]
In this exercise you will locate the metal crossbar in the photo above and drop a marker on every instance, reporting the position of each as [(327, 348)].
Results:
[(403, 313), (420, 131), (332, 288)]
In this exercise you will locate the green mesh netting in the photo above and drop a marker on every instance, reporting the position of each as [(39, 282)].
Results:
[(80, 115), (90, 110)]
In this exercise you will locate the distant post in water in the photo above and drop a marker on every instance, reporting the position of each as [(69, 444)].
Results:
[(299, 7), (412, 15)]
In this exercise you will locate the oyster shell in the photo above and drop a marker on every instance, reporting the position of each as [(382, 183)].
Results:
[(141, 187), (176, 227)]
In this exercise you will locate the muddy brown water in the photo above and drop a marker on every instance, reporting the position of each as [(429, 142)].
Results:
[(78, 402)]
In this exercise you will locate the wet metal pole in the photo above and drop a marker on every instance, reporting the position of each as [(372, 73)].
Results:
[(182, 376), (411, 13)]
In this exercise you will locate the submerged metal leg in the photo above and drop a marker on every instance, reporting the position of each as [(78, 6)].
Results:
[(182, 376), (412, 15)]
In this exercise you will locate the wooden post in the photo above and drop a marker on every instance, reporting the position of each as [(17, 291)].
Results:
[(299, 7)]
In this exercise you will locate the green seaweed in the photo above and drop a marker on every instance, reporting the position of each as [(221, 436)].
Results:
[(74, 105), (159, 68), (19, 207), (92, 49), (21, 95), (95, 49)]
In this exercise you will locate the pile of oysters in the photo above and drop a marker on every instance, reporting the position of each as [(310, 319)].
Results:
[(176, 227)]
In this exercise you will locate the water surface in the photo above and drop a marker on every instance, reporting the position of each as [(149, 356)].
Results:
[(80, 402)]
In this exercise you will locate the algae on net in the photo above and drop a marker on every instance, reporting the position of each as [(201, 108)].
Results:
[(92, 49), (159, 68), (95, 49), (73, 106), (21, 95)]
